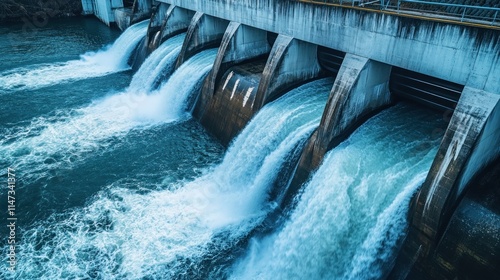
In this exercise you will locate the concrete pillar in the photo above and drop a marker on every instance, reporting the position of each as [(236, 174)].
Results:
[(470, 245), (471, 141), (290, 63), (360, 90), (239, 43), (155, 25), (87, 7), (175, 21), (166, 21), (203, 32), (103, 11)]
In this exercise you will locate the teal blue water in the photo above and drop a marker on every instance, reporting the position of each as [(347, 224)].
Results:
[(34, 122), (115, 180)]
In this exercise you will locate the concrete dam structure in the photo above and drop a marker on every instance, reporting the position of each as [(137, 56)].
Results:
[(266, 48)]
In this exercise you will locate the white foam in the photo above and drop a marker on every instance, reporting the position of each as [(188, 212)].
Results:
[(67, 137), (350, 215), (111, 59), (162, 234)]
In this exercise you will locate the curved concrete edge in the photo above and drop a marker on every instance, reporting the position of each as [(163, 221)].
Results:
[(208, 89), (360, 90), (471, 141), (470, 245), (203, 32), (468, 145), (231, 107), (290, 62), (154, 28), (157, 14), (166, 21), (176, 21), (239, 43)]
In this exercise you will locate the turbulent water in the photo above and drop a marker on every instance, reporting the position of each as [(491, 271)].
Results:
[(352, 212), (115, 180), (125, 233), (83, 139), (110, 59), (70, 135)]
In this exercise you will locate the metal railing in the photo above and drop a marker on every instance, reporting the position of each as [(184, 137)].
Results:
[(455, 12)]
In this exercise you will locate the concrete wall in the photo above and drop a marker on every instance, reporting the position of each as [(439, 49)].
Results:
[(175, 21), (464, 55), (102, 10), (166, 21), (203, 32), (231, 107), (290, 63), (143, 5), (109, 11), (239, 43), (471, 141), (87, 7), (360, 90), (216, 107)]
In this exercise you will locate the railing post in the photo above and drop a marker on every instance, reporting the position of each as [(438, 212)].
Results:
[(399, 3), (463, 14), (494, 17)]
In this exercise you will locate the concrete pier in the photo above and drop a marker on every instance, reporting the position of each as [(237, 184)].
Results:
[(360, 90), (203, 32), (268, 47)]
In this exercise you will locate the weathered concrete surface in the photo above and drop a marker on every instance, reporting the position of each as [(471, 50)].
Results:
[(204, 32), (471, 141), (361, 89), (104, 10), (231, 107), (176, 20), (239, 43), (109, 11), (153, 35), (290, 63), (470, 246), (463, 55), (124, 17)]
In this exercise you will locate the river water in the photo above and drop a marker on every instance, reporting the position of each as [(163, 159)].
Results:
[(115, 180)]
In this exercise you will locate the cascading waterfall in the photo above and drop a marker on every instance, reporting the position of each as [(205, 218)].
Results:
[(49, 142), (162, 60), (111, 59), (352, 212), (163, 234), (172, 100)]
